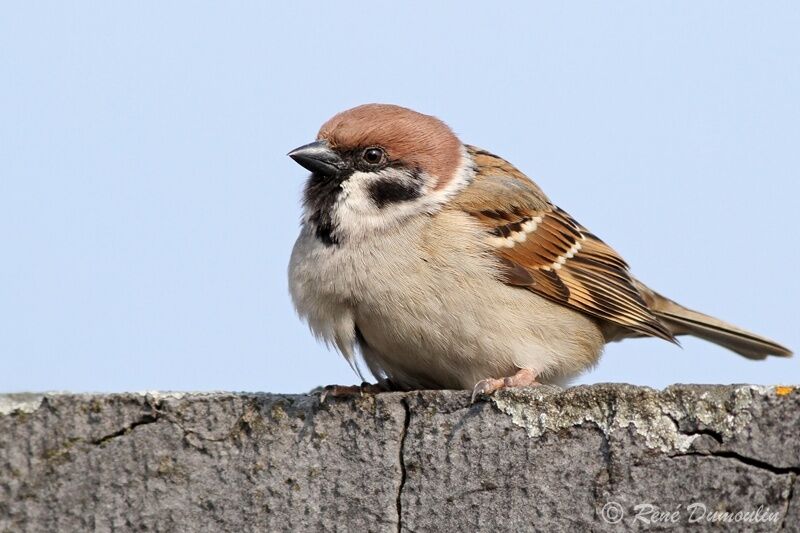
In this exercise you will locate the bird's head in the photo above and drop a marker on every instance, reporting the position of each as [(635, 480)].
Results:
[(374, 166)]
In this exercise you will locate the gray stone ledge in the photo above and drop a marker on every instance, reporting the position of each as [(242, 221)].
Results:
[(532, 459)]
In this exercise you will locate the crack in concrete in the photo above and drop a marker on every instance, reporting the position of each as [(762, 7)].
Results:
[(788, 502), (402, 461), (791, 471), (230, 434), (717, 436), (146, 419), (680, 432), (152, 417), (745, 460), (84, 444)]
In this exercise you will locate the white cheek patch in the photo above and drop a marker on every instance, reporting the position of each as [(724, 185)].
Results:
[(359, 212), (356, 212)]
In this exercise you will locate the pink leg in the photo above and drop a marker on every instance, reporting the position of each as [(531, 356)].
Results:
[(524, 377)]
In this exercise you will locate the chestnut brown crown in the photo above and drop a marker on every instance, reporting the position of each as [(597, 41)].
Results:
[(415, 140)]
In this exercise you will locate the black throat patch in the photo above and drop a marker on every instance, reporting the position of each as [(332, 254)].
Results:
[(320, 196), (322, 193)]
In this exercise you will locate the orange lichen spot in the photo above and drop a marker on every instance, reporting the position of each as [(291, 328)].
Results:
[(783, 390)]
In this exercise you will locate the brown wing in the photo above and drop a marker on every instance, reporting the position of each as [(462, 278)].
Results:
[(545, 250)]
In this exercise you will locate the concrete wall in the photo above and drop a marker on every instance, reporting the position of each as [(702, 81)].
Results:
[(536, 459)]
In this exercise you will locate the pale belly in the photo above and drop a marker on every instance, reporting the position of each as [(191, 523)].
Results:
[(435, 319), (459, 337)]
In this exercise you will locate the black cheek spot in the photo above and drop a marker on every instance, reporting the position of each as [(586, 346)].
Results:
[(385, 192)]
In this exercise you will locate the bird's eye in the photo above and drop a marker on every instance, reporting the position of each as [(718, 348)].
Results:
[(373, 156)]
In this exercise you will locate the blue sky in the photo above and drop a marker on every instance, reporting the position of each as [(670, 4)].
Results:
[(147, 208)]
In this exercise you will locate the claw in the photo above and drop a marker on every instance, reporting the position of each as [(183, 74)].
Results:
[(485, 387), (525, 377)]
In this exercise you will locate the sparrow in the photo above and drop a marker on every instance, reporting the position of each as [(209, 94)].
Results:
[(448, 268)]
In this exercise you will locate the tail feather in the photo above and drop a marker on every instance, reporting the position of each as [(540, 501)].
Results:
[(683, 321)]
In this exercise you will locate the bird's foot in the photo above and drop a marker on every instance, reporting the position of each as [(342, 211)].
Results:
[(524, 377), (347, 391)]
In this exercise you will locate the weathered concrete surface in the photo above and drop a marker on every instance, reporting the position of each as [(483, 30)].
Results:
[(535, 459)]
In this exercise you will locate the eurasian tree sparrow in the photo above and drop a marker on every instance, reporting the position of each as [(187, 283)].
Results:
[(448, 268)]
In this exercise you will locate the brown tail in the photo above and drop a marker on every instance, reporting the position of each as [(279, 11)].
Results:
[(683, 321)]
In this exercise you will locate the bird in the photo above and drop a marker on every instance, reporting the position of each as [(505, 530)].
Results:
[(446, 267)]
